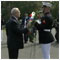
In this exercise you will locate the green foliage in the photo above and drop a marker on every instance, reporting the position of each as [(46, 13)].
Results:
[(55, 9), (26, 7)]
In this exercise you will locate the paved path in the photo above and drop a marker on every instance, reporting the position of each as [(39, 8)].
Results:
[(30, 51)]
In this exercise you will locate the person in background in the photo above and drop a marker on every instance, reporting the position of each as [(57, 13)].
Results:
[(2, 22), (24, 24), (57, 31)]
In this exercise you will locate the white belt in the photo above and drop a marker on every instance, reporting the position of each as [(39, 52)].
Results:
[(47, 30)]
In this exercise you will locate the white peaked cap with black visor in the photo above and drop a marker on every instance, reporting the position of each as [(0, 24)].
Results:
[(46, 4)]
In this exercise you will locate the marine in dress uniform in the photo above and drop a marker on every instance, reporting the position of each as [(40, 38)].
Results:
[(44, 29)]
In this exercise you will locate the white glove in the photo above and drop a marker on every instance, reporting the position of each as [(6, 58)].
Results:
[(38, 21), (33, 14)]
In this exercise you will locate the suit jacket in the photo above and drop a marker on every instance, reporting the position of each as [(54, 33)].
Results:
[(14, 34)]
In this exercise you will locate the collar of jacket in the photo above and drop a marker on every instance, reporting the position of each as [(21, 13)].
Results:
[(14, 19), (46, 13)]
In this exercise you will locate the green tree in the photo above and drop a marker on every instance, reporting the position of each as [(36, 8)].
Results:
[(26, 7)]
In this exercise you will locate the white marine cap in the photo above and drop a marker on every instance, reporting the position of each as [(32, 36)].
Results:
[(46, 4)]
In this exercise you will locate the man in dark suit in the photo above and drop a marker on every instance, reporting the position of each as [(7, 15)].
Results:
[(14, 34)]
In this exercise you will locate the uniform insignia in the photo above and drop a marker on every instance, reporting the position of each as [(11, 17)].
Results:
[(44, 22)]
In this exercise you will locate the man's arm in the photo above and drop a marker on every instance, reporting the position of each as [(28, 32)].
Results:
[(17, 29)]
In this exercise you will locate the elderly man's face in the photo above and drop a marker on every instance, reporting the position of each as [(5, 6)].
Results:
[(18, 14)]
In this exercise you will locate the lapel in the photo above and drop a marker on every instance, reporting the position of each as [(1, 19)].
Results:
[(14, 19)]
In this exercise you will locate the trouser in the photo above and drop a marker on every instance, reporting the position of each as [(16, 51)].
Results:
[(25, 37), (46, 50), (57, 37), (13, 53)]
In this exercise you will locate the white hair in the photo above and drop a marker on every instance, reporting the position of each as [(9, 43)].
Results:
[(14, 10)]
